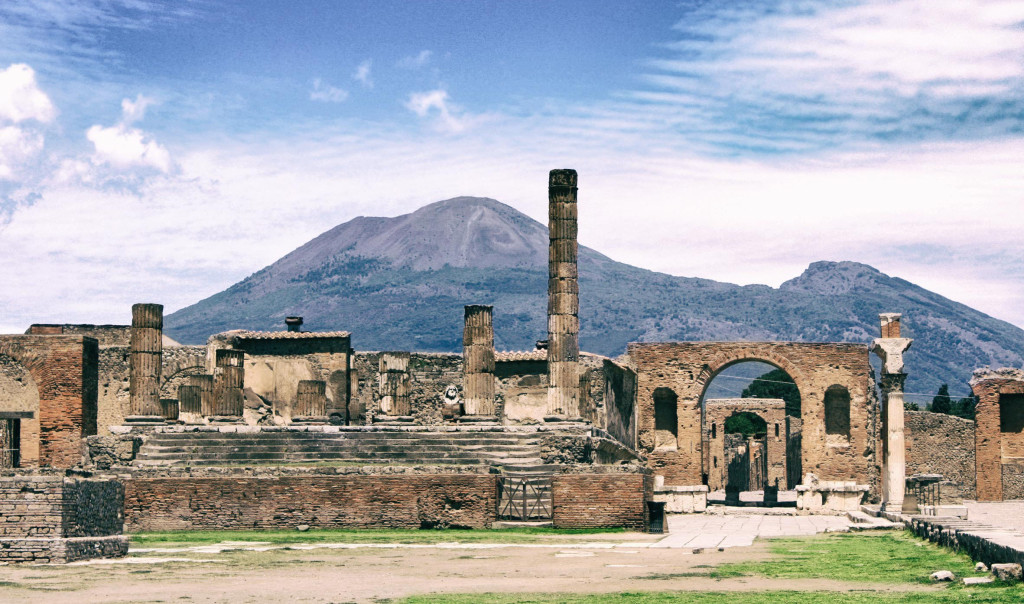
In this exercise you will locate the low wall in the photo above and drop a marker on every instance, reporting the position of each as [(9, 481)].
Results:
[(57, 519), (601, 500), (942, 444), (284, 502)]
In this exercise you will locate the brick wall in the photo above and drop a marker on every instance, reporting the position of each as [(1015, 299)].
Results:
[(57, 519), (990, 439), (347, 501), (941, 444), (64, 371), (600, 500)]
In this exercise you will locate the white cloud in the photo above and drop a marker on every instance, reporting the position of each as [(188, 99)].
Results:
[(424, 104), (20, 96), (362, 74), (326, 93), (17, 147), (124, 147), (416, 61), (135, 111)]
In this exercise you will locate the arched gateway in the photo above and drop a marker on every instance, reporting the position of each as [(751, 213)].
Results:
[(837, 373)]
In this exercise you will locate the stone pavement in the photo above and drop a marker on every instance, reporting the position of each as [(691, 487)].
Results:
[(707, 531), (1003, 514)]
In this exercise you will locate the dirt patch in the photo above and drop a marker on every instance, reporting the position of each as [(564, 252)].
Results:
[(363, 575)]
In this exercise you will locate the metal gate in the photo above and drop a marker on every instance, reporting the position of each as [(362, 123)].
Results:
[(10, 443), (522, 498)]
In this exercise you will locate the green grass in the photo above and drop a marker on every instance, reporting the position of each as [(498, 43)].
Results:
[(509, 535), (888, 558)]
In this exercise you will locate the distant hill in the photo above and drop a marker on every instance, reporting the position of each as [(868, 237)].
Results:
[(400, 284)]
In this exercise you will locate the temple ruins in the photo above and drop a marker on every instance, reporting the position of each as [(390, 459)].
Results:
[(125, 429)]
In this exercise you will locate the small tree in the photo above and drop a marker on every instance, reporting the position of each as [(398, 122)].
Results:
[(965, 407), (776, 384), (942, 403)]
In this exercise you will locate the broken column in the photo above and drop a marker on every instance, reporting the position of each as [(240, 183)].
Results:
[(190, 400), (563, 297), (228, 378), (478, 360), (310, 401), (146, 347), (890, 348), (207, 395), (394, 384)]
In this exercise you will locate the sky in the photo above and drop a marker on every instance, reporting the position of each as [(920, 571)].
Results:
[(162, 151)]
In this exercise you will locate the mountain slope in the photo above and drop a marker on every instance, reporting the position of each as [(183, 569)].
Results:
[(400, 284)]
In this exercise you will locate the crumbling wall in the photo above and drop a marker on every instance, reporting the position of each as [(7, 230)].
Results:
[(686, 368), (177, 364), (64, 369), (941, 444), (620, 402)]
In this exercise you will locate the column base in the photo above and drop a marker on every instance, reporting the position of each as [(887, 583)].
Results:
[(892, 506), (477, 419)]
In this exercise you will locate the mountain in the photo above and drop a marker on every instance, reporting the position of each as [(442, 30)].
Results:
[(400, 284)]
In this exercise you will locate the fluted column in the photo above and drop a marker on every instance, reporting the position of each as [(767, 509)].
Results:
[(228, 379), (563, 297), (311, 401), (146, 358), (890, 348), (478, 360)]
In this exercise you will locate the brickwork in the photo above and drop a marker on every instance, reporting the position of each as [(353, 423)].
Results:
[(686, 368), (56, 519), (941, 444), (285, 502), (601, 500), (997, 440), (64, 371)]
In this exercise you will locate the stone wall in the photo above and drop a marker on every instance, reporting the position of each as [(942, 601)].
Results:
[(319, 501), (999, 433), (718, 456), (941, 444), (685, 368), (601, 500), (56, 519)]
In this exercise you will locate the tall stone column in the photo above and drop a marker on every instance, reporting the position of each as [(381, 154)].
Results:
[(890, 348), (478, 360), (207, 395), (146, 350), (563, 297)]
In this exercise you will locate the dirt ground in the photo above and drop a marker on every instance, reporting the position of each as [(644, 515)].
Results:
[(376, 573)]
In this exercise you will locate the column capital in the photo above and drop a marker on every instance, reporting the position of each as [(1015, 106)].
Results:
[(892, 382), (891, 350)]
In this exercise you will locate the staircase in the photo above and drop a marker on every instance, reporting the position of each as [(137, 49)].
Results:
[(510, 451)]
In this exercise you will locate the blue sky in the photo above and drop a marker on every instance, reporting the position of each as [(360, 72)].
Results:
[(144, 144)]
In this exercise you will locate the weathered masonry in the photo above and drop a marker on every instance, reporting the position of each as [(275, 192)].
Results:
[(835, 384), (999, 436)]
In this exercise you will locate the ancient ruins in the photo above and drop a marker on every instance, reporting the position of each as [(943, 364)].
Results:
[(107, 428)]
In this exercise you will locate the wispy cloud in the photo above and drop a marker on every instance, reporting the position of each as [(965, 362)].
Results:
[(362, 74), (325, 93), (416, 61), (436, 103), (765, 77)]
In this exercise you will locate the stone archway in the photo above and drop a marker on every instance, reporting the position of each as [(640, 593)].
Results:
[(688, 367)]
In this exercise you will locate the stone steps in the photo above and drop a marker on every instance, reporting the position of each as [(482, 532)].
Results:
[(519, 451)]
